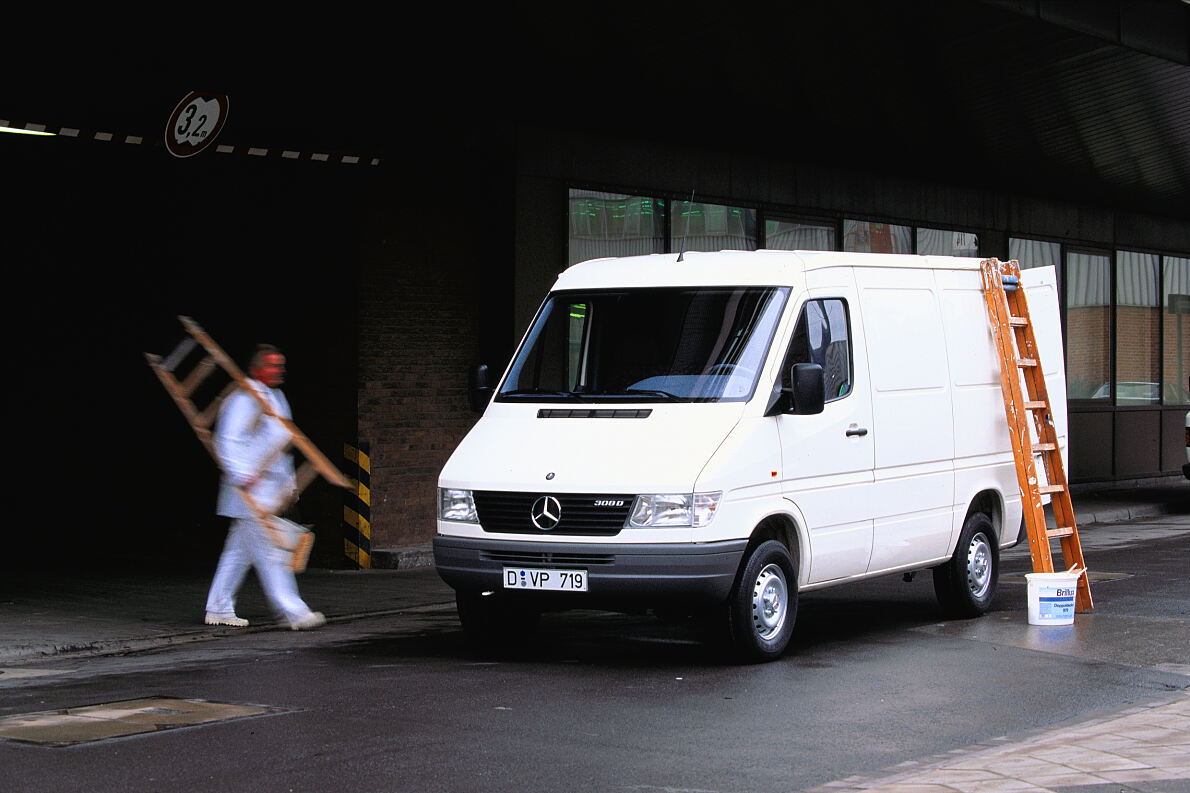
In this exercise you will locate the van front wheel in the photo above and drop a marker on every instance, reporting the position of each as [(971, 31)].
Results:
[(763, 605), (966, 584)]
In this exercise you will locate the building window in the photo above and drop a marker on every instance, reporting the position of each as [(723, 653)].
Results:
[(612, 224), (1176, 346), (870, 237), (1035, 253), (712, 227), (1088, 325), (941, 242), (789, 235), (1138, 329)]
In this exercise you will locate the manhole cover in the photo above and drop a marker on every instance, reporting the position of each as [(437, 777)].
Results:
[(119, 719)]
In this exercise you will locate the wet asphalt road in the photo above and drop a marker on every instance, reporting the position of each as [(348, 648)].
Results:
[(604, 702)]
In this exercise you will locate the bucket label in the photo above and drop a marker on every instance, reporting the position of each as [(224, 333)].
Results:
[(1056, 606)]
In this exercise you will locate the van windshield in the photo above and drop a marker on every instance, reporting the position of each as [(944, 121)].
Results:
[(686, 344)]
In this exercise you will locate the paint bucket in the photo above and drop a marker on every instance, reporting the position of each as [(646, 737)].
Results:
[(1051, 597)]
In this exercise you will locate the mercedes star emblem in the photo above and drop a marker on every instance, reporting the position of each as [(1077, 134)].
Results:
[(546, 513)]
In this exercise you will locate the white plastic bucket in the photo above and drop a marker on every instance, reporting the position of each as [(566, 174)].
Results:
[(1051, 598)]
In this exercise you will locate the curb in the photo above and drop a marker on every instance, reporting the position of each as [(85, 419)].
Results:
[(402, 558), (101, 647)]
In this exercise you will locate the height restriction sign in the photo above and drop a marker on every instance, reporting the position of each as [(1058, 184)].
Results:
[(195, 123)]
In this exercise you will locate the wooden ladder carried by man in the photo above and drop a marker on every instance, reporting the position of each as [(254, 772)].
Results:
[(1008, 311), (284, 533)]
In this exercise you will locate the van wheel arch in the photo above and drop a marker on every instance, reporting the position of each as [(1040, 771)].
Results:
[(991, 504), (779, 528)]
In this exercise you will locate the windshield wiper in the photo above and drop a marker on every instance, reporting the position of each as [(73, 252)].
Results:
[(520, 392), (655, 392)]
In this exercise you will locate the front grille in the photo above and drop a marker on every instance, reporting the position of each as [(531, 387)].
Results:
[(594, 413), (519, 558), (588, 514)]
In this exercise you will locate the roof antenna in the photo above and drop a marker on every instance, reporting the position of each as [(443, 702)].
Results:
[(690, 204)]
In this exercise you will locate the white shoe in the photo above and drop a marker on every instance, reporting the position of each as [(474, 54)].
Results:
[(309, 622), (226, 619)]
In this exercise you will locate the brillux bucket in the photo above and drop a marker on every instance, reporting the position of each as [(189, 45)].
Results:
[(1051, 598)]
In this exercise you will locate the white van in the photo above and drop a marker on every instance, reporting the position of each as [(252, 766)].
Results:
[(721, 432)]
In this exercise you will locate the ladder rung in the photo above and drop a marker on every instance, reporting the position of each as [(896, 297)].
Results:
[(180, 352), (1018, 322), (1026, 362), (1051, 489), (1064, 531), (1045, 447), (198, 374), (1035, 406)]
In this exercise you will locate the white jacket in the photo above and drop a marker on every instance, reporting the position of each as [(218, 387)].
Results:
[(246, 436)]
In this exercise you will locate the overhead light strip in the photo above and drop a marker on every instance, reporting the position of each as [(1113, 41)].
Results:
[(254, 151), (28, 129)]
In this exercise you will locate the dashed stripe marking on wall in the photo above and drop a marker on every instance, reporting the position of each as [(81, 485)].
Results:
[(220, 148)]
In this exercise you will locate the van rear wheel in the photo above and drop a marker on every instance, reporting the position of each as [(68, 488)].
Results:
[(763, 606), (966, 584)]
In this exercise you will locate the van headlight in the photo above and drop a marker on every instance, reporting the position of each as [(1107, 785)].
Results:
[(457, 505), (665, 510)]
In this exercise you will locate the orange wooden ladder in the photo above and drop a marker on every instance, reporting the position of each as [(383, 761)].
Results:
[(1012, 329), (183, 391)]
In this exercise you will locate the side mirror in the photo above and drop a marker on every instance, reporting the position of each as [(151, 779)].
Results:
[(809, 389), (479, 387)]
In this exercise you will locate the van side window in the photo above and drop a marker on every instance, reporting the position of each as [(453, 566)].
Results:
[(823, 336)]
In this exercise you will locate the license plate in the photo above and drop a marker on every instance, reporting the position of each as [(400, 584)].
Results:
[(551, 580)]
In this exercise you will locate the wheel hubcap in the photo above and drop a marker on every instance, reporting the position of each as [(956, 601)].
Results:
[(770, 596), (979, 565)]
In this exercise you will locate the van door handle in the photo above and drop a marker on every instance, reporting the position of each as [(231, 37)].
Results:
[(853, 432)]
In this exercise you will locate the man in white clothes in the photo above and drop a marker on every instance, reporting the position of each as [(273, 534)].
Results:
[(247, 440)]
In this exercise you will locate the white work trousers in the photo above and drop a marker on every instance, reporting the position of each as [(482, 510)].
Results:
[(249, 545)]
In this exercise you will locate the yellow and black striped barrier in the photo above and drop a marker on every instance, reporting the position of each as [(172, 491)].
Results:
[(357, 509)]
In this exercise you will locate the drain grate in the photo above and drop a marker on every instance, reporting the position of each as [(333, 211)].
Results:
[(72, 726)]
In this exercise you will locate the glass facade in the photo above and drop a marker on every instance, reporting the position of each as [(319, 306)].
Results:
[(788, 235), (1035, 253), (712, 227), (1175, 300), (611, 224), (1126, 314), (941, 242), (865, 236), (1088, 325), (1138, 329)]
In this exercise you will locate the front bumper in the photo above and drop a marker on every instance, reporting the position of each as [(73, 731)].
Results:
[(643, 573)]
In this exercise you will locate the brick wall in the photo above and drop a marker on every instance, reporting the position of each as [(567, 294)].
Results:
[(418, 334), (1176, 389), (1138, 352), (1087, 350)]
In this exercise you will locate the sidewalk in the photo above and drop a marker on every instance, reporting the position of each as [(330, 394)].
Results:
[(97, 615), (1143, 749)]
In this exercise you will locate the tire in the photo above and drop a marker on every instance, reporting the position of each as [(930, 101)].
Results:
[(763, 605), (489, 621), (966, 584)]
